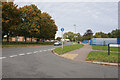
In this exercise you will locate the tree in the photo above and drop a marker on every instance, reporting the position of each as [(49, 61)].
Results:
[(69, 35), (101, 35), (33, 23), (115, 33), (10, 18), (48, 27), (79, 37), (88, 35), (31, 17), (58, 38)]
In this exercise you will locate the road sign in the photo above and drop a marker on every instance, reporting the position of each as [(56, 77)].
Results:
[(112, 45), (62, 29)]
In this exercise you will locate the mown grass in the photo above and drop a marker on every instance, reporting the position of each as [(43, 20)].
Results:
[(67, 48), (99, 47), (102, 56), (24, 44)]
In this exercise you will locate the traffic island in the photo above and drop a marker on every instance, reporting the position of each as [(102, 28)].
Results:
[(67, 48), (100, 57)]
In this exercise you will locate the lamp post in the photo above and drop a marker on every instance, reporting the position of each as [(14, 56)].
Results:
[(75, 31)]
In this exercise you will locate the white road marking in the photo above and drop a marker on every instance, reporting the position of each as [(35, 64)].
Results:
[(22, 54), (44, 50), (13, 56), (29, 53), (40, 51), (2, 57), (35, 52)]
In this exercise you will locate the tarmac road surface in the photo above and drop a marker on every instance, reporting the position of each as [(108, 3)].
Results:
[(40, 62)]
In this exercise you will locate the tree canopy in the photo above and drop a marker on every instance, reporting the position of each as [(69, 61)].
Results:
[(27, 21)]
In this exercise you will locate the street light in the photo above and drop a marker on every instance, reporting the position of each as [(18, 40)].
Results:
[(75, 31)]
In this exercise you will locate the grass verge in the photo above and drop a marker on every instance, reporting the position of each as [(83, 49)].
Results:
[(102, 56), (99, 47), (24, 44), (67, 48)]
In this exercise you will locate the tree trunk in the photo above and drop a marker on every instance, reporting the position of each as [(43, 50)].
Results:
[(7, 38), (38, 39), (31, 39), (25, 39), (2, 37)]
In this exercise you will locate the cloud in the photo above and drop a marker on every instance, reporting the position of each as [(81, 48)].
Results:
[(66, 0), (98, 16)]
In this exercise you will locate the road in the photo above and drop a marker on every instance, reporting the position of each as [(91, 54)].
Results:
[(40, 62)]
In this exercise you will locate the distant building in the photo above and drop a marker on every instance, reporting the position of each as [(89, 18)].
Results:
[(65, 39), (20, 38), (104, 41)]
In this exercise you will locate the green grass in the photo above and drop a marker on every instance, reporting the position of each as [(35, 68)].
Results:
[(102, 56), (24, 44), (99, 47), (67, 48)]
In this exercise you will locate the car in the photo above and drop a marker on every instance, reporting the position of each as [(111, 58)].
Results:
[(57, 43)]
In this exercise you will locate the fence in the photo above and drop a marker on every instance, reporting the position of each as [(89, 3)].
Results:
[(104, 41), (84, 41)]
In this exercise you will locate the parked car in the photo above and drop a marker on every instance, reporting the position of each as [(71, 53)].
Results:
[(57, 43)]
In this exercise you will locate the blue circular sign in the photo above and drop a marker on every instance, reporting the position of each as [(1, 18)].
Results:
[(62, 29)]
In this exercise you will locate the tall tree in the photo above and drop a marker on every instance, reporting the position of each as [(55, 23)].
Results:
[(100, 35), (10, 18), (30, 25), (58, 38), (48, 27), (115, 33), (69, 35), (88, 34)]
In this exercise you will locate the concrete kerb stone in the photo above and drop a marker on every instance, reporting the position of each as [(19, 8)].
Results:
[(103, 63), (93, 62)]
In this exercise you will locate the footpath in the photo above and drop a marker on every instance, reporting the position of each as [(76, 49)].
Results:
[(82, 53), (79, 54)]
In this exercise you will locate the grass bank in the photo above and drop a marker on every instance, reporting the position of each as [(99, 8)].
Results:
[(67, 48), (102, 56), (99, 47), (24, 44)]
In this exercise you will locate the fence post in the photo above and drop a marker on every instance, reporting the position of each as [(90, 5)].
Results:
[(108, 49)]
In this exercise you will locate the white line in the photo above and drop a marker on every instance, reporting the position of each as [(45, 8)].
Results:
[(35, 52), (21, 54), (29, 53), (49, 49), (44, 50), (13, 56), (40, 51), (2, 57)]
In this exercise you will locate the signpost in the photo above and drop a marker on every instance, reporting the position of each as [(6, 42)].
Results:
[(62, 29), (112, 45)]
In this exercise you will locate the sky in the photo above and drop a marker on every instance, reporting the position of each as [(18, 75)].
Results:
[(97, 16)]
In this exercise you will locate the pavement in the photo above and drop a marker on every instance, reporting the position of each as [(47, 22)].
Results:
[(40, 62), (79, 54)]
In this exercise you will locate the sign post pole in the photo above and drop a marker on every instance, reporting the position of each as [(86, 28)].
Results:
[(62, 29), (62, 40), (108, 49)]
